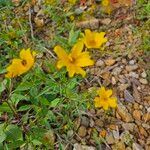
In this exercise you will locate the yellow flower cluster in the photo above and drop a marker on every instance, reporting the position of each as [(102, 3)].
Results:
[(74, 61), (77, 58), (104, 99)]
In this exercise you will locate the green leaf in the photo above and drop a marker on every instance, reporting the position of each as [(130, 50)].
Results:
[(24, 86), (73, 36), (55, 102), (3, 85), (15, 144), (13, 133), (36, 142), (24, 108), (15, 98), (2, 137), (5, 108)]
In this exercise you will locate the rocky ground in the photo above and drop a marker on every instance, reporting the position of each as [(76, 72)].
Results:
[(124, 71)]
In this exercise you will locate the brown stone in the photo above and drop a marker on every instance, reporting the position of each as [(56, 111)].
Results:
[(82, 131), (137, 114), (146, 117), (143, 131)]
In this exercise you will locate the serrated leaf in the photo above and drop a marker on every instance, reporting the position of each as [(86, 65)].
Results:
[(24, 108), (15, 98), (55, 102), (24, 86)]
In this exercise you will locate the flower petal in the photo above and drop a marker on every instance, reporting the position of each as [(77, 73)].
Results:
[(71, 70), (108, 93), (80, 71), (112, 102), (61, 53), (101, 91), (84, 60), (77, 49)]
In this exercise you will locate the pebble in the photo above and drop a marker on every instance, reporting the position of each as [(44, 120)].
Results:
[(113, 80), (143, 131), (143, 74), (82, 131), (119, 146), (129, 126), (110, 139), (106, 21), (100, 63), (85, 121), (116, 71), (132, 62), (110, 62), (99, 123), (77, 146), (134, 75), (137, 114), (136, 146), (143, 81), (131, 67), (128, 97), (123, 113), (146, 117)]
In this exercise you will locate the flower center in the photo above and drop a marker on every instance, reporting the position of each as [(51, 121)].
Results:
[(24, 62), (72, 60), (92, 42)]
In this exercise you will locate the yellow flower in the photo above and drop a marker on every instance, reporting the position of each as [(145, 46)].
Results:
[(20, 65), (104, 99), (105, 2), (94, 39), (75, 60), (72, 1), (107, 6)]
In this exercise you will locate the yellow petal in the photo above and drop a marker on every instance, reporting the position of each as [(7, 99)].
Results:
[(105, 106), (80, 71), (84, 60), (101, 91), (108, 93), (71, 70), (77, 49), (61, 53), (15, 69), (96, 102), (112, 102), (60, 64)]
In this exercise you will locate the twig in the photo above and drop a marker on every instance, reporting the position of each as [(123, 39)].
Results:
[(49, 51), (30, 22)]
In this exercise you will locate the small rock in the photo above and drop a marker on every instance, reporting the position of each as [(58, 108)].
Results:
[(39, 22), (148, 141), (128, 97), (143, 131), (106, 21), (100, 63), (137, 114), (134, 75), (99, 123), (110, 62), (136, 146), (92, 123), (82, 131), (113, 80), (132, 62), (131, 67), (116, 71), (110, 139), (70, 133), (146, 117), (123, 113), (119, 146), (82, 147), (143, 81), (143, 74), (85, 121), (129, 126)]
